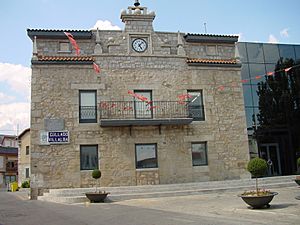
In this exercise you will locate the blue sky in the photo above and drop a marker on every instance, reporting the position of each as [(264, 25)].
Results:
[(255, 20)]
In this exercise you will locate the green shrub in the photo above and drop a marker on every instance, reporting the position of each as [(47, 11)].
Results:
[(25, 184), (96, 174), (257, 167)]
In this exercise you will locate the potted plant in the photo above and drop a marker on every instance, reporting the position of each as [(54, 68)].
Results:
[(97, 196), (297, 180), (259, 198)]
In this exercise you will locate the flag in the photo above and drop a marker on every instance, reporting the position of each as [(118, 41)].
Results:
[(96, 68), (244, 81), (73, 42), (257, 77), (270, 73), (287, 69), (221, 88)]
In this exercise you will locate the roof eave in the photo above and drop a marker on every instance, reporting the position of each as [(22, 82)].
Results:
[(58, 34)]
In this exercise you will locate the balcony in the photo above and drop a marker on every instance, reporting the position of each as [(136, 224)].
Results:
[(139, 113)]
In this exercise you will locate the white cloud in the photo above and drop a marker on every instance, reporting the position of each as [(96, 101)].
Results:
[(17, 77), (14, 116), (284, 33), (241, 37), (105, 25), (4, 98), (272, 39)]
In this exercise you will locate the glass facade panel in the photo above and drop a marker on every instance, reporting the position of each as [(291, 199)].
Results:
[(88, 157), (254, 94), (297, 51), (249, 119), (270, 67), (242, 52), (257, 72), (287, 51), (247, 95), (255, 52), (199, 154), (271, 53), (146, 156), (245, 71)]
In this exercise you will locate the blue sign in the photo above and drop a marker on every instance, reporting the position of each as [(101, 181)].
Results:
[(58, 137)]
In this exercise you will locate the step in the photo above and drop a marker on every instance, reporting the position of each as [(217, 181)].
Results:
[(77, 195)]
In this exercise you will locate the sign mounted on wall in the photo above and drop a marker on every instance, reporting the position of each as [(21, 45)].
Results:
[(54, 137)]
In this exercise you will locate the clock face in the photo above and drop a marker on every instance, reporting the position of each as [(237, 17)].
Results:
[(139, 45)]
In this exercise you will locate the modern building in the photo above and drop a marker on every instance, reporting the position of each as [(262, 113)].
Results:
[(273, 115), (24, 156), (156, 113), (8, 165)]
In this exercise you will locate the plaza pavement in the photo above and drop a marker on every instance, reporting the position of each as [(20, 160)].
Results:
[(223, 207)]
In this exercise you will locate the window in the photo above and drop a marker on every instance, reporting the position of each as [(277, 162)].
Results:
[(199, 154), (195, 106), (87, 107), (140, 106), (26, 172), (27, 150), (88, 157), (146, 156), (64, 46)]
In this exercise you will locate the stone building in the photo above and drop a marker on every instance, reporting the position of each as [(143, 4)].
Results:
[(8, 165), (24, 156), (160, 110)]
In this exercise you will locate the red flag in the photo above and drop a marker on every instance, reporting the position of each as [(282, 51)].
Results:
[(73, 42), (244, 81), (221, 88), (287, 69), (257, 77), (270, 73), (96, 68)]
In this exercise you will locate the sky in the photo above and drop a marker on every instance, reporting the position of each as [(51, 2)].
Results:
[(273, 21)]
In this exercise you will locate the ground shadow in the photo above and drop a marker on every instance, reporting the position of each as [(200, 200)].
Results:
[(275, 206)]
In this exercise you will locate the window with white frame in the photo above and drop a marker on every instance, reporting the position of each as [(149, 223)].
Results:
[(88, 106)]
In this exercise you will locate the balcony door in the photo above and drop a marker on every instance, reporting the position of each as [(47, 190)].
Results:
[(141, 107)]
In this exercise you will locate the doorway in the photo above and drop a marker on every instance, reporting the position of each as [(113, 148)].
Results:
[(270, 153)]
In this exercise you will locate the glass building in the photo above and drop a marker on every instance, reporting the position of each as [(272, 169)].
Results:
[(263, 75)]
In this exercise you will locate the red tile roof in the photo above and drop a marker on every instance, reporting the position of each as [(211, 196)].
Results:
[(211, 61)]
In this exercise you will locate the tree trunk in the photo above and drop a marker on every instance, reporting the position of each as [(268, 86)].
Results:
[(256, 186)]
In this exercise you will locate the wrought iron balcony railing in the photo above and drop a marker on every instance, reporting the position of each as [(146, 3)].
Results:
[(147, 113)]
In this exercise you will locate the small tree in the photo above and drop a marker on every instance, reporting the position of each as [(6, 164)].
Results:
[(257, 167), (96, 174)]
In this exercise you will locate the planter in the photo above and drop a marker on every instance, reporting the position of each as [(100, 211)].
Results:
[(96, 197), (257, 202)]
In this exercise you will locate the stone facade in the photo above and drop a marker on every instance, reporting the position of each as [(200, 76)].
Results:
[(161, 68)]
